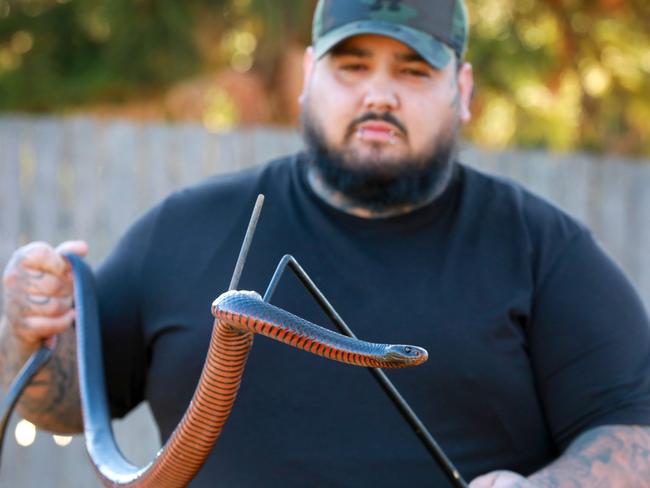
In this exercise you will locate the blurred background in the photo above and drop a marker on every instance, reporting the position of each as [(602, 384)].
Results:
[(554, 74), (107, 106)]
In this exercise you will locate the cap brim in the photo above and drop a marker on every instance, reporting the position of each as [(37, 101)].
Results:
[(435, 52)]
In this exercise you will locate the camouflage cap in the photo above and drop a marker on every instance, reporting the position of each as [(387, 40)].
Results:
[(435, 29)]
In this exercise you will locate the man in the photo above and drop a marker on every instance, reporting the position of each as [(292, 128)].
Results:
[(539, 369)]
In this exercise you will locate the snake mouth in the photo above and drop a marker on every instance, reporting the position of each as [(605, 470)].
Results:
[(407, 355)]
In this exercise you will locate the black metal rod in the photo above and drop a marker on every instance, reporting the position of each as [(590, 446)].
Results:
[(393, 393), (246, 245), (279, 271)]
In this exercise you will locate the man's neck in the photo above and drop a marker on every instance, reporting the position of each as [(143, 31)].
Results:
[(342, 202)]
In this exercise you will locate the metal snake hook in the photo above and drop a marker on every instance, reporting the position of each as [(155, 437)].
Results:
[(187, 448), (391, 391), (248, 240), (439, 456)]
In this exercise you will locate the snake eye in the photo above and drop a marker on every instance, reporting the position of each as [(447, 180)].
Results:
[(407, 350)]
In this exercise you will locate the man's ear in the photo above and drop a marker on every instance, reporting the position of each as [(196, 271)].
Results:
[(466, 90), (308, 63)]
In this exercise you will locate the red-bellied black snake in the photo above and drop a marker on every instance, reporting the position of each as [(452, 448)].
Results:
[(238, 315)]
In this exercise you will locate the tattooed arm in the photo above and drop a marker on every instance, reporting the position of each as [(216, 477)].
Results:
[(38, 306), (614, 456)]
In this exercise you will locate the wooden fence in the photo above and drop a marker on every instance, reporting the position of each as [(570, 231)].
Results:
[(85, 178)]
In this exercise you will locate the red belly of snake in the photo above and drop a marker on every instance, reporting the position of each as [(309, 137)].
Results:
[(238, 315)]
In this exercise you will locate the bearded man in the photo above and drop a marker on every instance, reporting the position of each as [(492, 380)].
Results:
[(539, 369)]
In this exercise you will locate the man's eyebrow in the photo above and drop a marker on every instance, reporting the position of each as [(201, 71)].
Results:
[(347, 50), (410, 58), (344, 50)]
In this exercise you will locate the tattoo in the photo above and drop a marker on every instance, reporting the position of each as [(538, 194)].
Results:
[(611, 456), (455, 103), (51, 401), (453, 81), (32, 279), (32, 273), (38, 300)]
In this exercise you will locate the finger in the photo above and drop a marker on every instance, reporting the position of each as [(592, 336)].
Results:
[(489, 480), (485, 481), (504, 481), (17, 277), (39, 329), (39, 257), (46, 306), (48, 285), (499, 479)]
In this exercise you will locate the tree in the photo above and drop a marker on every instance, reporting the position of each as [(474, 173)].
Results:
[(557, 74)]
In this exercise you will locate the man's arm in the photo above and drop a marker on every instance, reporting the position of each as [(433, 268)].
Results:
[(614, 456), (38, 306), (51, 401)]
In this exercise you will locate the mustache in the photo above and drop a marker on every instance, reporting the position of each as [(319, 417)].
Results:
[(383, 117)]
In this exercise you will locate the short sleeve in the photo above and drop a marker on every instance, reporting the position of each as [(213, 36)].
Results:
[(120, 283), (589, 341)]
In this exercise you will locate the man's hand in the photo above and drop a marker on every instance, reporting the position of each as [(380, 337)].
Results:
[(38, 292), (38, 296), (501, 479)]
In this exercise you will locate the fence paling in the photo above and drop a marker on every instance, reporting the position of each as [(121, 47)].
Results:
[(86, 178)]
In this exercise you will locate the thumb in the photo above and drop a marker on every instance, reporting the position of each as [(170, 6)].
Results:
[(485, 481), (79, 248), (499, 479)]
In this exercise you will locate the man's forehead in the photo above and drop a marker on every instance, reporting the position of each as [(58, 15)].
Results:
[(368, 45)]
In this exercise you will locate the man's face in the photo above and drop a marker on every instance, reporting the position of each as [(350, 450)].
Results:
[(377, 105)]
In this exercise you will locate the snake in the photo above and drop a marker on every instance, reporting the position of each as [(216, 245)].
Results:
[(238, 316)]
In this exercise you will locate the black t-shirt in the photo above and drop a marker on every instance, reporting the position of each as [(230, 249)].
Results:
[(533, 334)]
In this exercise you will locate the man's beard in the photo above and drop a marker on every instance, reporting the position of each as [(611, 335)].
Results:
[(381, 183)]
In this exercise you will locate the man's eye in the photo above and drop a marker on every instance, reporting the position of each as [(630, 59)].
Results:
[(353, 67), (415, 72)]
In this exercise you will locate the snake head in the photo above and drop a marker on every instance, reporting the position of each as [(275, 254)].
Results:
[(407, 355), (233, 297)]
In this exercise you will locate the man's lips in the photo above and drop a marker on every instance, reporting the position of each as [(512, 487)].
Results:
[(376, 131)]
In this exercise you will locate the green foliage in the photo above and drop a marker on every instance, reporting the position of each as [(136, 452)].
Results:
[(562, 74), (557, 74), (56, 54)]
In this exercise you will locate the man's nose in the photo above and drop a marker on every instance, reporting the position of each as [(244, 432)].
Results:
[(380, 96)]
